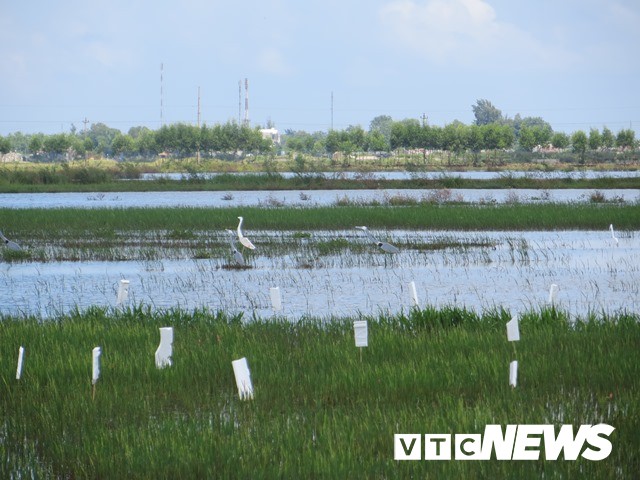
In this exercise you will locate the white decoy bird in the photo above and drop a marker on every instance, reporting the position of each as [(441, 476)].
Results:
[(237, 256), (384, 246), (9, 244), (244, 240), (613, 235)]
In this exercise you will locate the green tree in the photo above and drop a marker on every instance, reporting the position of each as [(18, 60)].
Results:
[(406, 134), (5, 145), (608, 140), (579, 141), (376, 142), (560, 140), (56, 144), (382, 124), (626, 139), (527, 138), (595, 139), (486, 113), (36, 143), (123, 145)]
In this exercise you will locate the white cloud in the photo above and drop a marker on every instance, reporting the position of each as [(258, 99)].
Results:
[(466, 33)]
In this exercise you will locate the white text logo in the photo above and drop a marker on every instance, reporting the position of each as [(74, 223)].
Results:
[(517, 442)]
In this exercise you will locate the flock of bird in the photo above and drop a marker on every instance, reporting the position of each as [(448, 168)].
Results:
[(246, 243)]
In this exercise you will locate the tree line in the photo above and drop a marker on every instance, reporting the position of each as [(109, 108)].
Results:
[(491, 131)]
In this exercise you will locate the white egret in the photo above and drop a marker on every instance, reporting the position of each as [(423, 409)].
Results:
[(384, 246), (237, 256), (244, 240), (613, 235), (9, 244)]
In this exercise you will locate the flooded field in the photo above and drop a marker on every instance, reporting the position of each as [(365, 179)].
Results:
[(480, 270), (304, 198)]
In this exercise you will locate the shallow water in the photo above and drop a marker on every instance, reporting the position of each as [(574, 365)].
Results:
[(299, 198), (591, 272), (405, 175)]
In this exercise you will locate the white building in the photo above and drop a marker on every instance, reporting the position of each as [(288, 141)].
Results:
[(271, 134)]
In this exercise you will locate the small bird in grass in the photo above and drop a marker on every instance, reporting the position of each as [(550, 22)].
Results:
[(384, 246), (10, 244), (237, 256), (244, 240)]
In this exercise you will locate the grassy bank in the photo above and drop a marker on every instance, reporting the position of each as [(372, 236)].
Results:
[(50, 223), (109, 176), (97, 182), (322, 409)]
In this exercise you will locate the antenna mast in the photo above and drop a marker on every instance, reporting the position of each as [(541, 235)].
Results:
[(161, 94), (246, 102)]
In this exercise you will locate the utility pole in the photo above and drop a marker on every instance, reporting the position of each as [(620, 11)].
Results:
[(239, 102), (332, 110), (161, 95), (424, 119), (198, 146)]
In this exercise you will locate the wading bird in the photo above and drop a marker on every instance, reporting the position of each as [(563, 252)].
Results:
[(237, 256), (613, 235), (9, 244), (384, 246), (244, 240)]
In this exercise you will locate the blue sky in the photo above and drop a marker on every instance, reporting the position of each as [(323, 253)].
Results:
[(572, 62)]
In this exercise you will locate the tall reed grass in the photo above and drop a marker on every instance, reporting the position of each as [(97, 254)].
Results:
[(511, 217)]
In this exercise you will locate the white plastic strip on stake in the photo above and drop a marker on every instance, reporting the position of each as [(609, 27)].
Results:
[(513, 330), (414, 294), (361, 333), (243, 378), (553, 291), (513, 373), (165, 349), (95, 372), (20, 358), (123, 292), (276, 299)]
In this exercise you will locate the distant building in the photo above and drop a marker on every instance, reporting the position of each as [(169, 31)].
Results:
[(11, 157), (271, 134)]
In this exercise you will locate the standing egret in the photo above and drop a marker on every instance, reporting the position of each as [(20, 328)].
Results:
[(244, 240), (9, 244), (613, 235), (237, 256), (384, 246)]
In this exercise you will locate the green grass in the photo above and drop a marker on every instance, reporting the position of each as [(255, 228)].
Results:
[(110, 179), (21, 224), (322, 409)]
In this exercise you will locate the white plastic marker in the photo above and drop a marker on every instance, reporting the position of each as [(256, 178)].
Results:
[(276, 299), (165, 349), (123, 292), (553, 291), (361, 333), (513, 373), (513, 330), (243, 378), (95, 372), (414, 294), (20, 358), (613, 235)]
